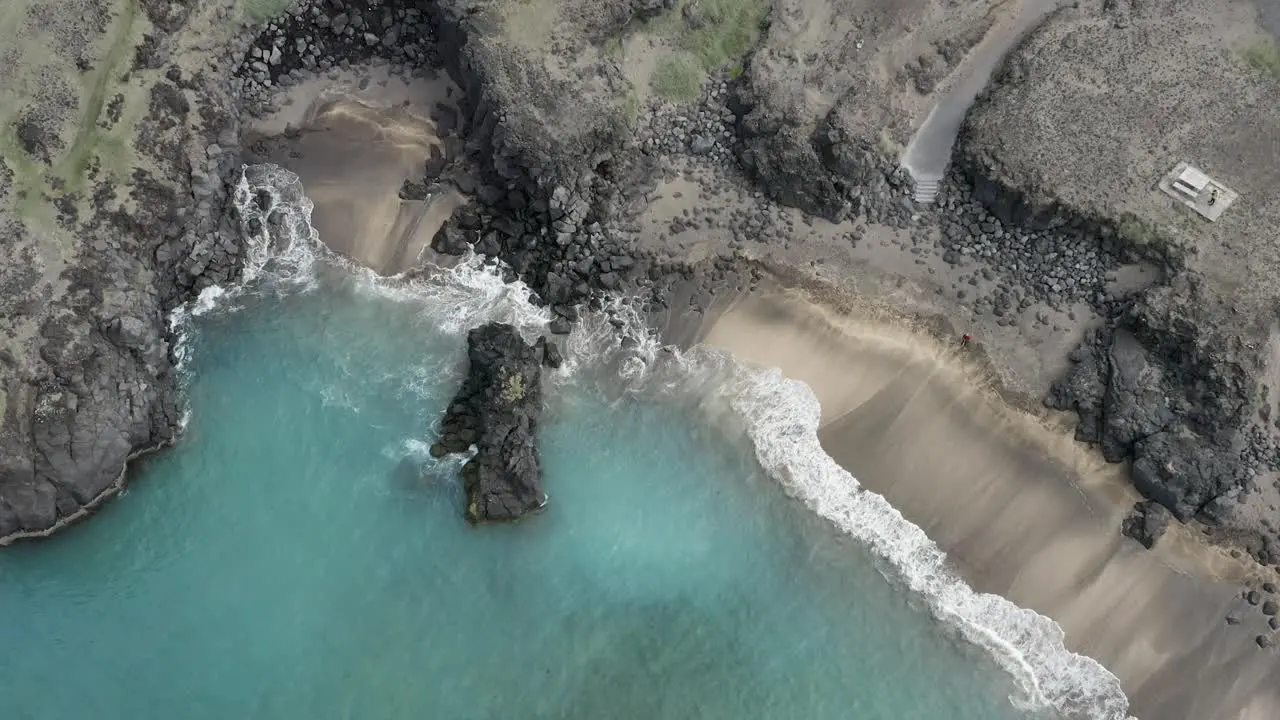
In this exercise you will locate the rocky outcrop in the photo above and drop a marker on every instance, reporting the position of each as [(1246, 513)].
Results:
[(497, 411), (1175, 391), (818, 164), (87, 379), (1175, 381)]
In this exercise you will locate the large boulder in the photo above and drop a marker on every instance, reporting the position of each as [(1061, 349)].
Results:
[(496, 410), (1146, 522)]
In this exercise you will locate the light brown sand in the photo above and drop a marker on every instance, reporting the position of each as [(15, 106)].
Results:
[(1023, 511), (353, 139)]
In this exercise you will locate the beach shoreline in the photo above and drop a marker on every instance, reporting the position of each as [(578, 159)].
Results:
[(1024, 511)]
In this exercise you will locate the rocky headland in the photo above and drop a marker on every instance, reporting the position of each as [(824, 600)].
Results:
[(497, 410), (112, 215)]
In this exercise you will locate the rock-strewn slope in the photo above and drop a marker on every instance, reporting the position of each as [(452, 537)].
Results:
[(110, 207), (1078, 127), (497, 410)]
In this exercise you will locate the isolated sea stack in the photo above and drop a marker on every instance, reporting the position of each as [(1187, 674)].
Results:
[(497, 410)]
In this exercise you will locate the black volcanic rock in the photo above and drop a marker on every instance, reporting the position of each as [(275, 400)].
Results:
[(1171, 390), (1146, 522), (93, 384), (497, 410)]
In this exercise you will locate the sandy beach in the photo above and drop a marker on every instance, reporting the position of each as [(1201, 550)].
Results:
[(1023, 511), (354, 138)]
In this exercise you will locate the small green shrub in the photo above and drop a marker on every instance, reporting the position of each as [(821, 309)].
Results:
[(631, 107), (613, 48), (1136, 231), (512, 389)]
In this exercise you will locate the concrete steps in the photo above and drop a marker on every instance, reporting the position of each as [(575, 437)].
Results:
[(926, 191)]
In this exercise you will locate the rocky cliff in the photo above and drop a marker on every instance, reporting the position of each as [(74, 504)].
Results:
[(111, 216)]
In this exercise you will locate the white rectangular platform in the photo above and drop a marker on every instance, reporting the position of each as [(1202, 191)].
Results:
[(1191, 187)]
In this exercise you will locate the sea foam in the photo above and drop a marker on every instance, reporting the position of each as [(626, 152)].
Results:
[(779, 415)]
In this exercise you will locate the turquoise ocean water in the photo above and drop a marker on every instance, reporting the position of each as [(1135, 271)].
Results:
[(298, 554)]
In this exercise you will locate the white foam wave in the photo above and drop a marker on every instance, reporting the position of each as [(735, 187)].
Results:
[(275, 220), (784, 416), (459, 298), (279, 244), (781, 418)]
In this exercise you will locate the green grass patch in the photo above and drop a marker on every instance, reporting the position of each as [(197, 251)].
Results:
[(678, 78), (260, 11), (730, 28), (726, 31), (631, 107), (96, 86), (716, 36), (1264, 56)]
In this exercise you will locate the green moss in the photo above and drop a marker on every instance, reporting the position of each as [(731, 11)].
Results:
[(1264, 56), (260, 11), (513, 389), (678, 78)]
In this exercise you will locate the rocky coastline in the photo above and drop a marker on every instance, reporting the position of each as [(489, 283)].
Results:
[(87, 377), (1162, 382)]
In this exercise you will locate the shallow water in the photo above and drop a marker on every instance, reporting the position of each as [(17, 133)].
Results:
[(287, 559)]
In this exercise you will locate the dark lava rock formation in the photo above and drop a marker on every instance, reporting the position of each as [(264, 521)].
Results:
[(497, 410), (87, 379)]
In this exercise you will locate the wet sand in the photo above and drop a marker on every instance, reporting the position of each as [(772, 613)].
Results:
[(354, 139), (1023, 510)]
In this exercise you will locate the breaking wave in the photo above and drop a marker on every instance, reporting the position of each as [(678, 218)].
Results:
[(779, 416)]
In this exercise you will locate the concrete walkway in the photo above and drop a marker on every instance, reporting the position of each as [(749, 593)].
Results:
[(929, 150)]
